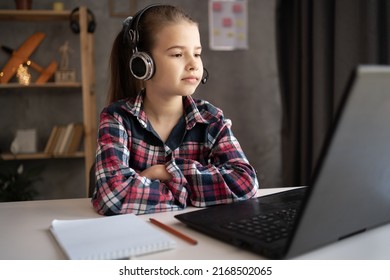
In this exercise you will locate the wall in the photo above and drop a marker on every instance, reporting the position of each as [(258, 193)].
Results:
[(244, 83)]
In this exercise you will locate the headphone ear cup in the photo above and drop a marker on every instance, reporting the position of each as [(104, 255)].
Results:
[(74, 26), (91, 21), (141, 66), (91, 27)]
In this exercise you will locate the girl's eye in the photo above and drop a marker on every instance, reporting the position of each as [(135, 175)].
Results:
[(180, 55)]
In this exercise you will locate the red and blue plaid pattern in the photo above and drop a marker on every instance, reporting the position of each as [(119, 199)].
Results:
[(207, 164)]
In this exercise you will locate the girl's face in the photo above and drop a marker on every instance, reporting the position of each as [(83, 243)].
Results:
[(177, 58)]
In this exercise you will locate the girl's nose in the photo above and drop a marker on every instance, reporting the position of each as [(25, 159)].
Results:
[(193, 65)]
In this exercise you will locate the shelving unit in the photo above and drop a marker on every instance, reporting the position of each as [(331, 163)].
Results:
[(86, 86), (40, 156)]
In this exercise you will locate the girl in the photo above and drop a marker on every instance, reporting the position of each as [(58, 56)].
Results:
[(158, 148)]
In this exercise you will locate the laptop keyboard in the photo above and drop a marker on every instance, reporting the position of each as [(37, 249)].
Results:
[(267, 227)]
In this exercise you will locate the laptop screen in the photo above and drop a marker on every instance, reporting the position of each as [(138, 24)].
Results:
[(350, 190)]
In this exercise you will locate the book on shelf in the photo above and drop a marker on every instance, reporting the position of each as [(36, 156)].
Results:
[(65, 139), (60, 137), (75, 140), (113, 237), (52, 140)]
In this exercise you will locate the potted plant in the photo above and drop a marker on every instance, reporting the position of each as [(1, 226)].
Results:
[(16, 183)]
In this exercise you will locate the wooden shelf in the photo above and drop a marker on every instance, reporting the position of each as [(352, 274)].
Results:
[(46, 85), (86, 86), (34, 15), (9, 156)]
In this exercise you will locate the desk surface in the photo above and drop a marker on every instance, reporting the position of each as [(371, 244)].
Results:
[(24, 234)]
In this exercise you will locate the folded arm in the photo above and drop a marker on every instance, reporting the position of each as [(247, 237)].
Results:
[(120, 189)]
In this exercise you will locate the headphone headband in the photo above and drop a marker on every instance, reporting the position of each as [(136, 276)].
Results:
[(131, 26)]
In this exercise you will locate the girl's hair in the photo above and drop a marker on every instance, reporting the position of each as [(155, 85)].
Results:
[(153, 19)]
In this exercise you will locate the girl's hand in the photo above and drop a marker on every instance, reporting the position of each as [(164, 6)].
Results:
[(157, 172)]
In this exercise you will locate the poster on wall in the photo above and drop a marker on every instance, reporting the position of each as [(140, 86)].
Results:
[(228, 24)]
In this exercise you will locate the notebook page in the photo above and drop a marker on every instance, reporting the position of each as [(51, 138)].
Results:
[(114, 237)]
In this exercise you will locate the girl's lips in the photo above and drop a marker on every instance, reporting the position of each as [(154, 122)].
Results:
[(191, 79)]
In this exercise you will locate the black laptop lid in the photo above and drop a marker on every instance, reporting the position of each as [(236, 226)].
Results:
[(350, 192)]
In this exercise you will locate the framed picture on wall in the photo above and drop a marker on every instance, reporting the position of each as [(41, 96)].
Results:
[(228, 24)]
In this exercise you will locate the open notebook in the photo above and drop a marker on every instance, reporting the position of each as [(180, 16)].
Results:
[(114, 237)]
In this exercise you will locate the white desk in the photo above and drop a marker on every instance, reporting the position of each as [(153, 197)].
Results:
[(24, 234)]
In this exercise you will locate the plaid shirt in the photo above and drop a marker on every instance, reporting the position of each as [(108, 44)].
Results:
[(207, 164)]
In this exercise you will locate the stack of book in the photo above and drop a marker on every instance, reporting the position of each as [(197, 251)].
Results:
[(65, 139)]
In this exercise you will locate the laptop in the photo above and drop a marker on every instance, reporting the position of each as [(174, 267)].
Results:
[(349, 192)]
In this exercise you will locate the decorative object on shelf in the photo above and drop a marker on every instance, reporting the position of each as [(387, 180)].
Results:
[(22, 55), (64, 51), (23, 4), (24, 77), (58, 6), (25, 141), (64, 74), (17, 183)]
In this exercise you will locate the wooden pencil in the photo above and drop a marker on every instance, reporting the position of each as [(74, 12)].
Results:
[(173, 231)]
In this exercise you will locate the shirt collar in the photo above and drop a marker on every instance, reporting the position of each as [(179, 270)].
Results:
[(195, 112), (136, 109), (192, 113)]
